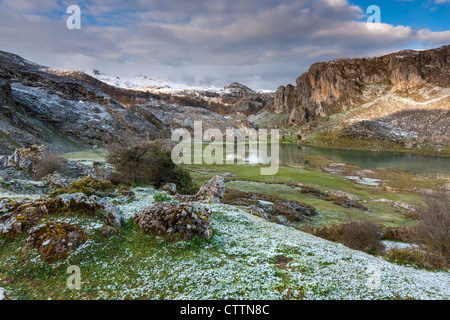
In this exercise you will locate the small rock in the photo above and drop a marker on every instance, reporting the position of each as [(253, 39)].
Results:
[(213, 190), (171, 188)]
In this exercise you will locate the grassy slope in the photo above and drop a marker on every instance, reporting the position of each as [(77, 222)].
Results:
[(239, 262)]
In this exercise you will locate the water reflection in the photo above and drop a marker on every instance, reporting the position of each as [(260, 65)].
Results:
[(434, 166)]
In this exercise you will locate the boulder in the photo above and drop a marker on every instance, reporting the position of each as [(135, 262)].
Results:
[(170, 188), (213, 190), (98, 170), (167, 218), (28, 214), (57, 180), (55, 240), (26, 158)]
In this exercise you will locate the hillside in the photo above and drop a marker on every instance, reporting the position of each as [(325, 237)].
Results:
[(247, 258), (67, 110)]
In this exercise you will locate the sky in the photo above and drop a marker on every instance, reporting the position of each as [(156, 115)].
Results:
[(260, 43)]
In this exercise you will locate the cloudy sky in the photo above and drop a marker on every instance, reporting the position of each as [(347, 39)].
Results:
[(260, 43)]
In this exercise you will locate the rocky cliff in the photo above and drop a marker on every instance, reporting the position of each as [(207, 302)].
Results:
[(398, 100), (329, 87)]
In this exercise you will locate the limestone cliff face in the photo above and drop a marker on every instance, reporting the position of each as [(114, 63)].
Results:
[(329, 87)]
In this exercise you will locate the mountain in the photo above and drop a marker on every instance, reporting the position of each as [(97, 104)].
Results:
[(66, 110), (402, 97), (234, 99)]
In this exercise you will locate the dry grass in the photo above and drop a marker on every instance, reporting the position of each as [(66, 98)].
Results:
[(359, 235)]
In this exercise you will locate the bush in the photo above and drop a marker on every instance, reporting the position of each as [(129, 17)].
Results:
[(404, 234), (47, 164), (433, 229), (418, 257), (146, 163), (358, 235)]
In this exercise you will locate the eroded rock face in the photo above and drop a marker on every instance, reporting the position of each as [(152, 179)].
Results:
[(55, 240), (333, 86), (167, 218)]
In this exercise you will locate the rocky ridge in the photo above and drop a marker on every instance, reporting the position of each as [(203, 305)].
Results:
[(402, 97)]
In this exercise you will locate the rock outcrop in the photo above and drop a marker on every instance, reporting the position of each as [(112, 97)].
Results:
[(272, 208), (22, 216), (26, 158), (55, 240), (338, 85), (167, 218), (214, 189)]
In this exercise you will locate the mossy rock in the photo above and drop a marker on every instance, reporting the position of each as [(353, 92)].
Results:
[(89, 186), (55, 240)]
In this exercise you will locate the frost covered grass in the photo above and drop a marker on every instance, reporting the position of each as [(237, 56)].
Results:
[(240, 261)]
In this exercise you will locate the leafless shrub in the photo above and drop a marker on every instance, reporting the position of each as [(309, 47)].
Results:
[(433, 229), (359, 235), (47, 164)]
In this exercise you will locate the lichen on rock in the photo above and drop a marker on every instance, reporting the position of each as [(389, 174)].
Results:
[(55, 240), (28, 214), (167, 218)]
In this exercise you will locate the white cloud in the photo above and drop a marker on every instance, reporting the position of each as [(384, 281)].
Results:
[(262, 44)]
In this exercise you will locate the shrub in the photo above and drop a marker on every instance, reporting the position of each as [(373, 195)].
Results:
[(433, 229), (404, 234), (358, 235), (418, 257), (47, 164), (146, 163)]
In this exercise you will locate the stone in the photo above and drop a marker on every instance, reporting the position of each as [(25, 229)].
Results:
[(57, 180), (170, 188), (26, 158), (213, 190), (270, 207), (167, 218), (55, 240)]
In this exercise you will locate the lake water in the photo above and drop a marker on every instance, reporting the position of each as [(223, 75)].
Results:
[(435, 166)]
